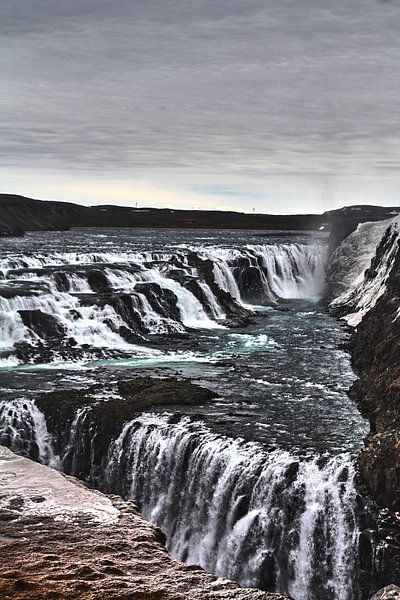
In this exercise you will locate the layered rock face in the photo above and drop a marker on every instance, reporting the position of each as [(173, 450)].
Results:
[(372, 304), (60, 540), (370, 301)]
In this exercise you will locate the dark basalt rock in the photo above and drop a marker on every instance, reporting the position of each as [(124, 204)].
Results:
[(233, 309), (376, 356), (161, 300), (375, 350), (250, 281), (146, 392), (98, 281), (379, 544), (390, 592), (61, 281), (44, 325), (127, 306)]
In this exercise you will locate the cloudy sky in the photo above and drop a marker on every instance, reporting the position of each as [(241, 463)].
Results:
[(276, 105)]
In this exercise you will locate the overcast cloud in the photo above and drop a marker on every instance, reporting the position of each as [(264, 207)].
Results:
[(284, 105)]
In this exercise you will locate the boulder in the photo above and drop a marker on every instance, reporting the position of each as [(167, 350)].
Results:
[(44, 325), (98, 281)]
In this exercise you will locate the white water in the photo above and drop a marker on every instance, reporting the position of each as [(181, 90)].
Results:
[(22, 424), (32, 283), (237, 511), (288, 271)]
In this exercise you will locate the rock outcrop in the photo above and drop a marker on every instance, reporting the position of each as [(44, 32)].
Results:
[(100, 421), (60, 540)]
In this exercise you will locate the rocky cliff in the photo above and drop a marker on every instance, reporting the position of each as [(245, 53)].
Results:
[(60, 540), (365, 273), (370, 301)]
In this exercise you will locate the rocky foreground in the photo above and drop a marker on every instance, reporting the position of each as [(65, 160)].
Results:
[(60, 540)]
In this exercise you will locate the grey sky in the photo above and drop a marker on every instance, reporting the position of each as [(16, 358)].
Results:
[(285, 105)]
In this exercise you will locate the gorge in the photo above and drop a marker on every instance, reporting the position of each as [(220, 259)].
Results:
[(205, 378)]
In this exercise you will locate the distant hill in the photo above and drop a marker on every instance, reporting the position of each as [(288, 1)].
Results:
[(19, 214)]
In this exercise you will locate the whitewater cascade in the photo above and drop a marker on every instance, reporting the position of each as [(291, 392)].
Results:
[(268, 519), (23, 428), (59, 306)]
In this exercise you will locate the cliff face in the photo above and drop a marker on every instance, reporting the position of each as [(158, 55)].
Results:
[(60, 540), (372, 304), (365, 273)]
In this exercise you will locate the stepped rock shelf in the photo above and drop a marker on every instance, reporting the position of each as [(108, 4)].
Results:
[(59, 539)]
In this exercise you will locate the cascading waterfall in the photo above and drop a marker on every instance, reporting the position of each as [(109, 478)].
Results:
[(107, 301), (23, 428), (268, 519), (279, 512), (286, 271), (264, 519)]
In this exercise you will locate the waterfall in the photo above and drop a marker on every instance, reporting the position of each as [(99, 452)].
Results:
[(106, 302), (286, 271), (267, 519), (264, 519), (23, 428)]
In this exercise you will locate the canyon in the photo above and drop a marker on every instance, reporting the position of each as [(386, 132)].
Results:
[(184, 375)]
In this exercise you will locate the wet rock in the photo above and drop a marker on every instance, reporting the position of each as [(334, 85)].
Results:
[(98, 281), (44, 325), (250, 281), (161, 300), (146, 393), (61, 281), (102, 421), (232, 308), (127, 307)]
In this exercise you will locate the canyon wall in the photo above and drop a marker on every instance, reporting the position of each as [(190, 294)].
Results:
[(365, 274), (370, 302)]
